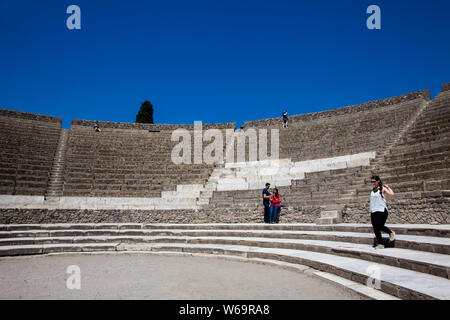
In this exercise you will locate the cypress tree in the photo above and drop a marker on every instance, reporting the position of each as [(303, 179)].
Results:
[(145, 114)]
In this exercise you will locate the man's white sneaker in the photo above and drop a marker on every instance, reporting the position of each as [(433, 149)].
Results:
[(392, 236), (380, 246)]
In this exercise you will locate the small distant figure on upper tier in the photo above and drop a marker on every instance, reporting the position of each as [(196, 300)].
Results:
[(97, 127), (285, 119)]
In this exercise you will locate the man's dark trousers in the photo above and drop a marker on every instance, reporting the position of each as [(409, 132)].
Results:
[(266, 213)]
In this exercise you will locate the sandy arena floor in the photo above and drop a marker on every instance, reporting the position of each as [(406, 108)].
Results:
[(149, 276)]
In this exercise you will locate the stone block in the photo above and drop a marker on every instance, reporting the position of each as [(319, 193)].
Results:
[(247, 172), (232, 186), (297, 172), (231, 180), (189, 187), (257, 184), (281, 182), (329, 217), (233, 165), (439, 271), (271, 171)]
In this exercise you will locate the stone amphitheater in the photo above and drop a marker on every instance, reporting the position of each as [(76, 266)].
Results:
[(79, 191)]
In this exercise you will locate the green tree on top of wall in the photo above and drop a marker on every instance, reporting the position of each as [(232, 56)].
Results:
[(145, 114)]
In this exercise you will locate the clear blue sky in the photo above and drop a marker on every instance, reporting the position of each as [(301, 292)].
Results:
[(216, 61)]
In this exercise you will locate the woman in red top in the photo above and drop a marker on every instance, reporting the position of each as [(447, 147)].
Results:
[(275, 204)]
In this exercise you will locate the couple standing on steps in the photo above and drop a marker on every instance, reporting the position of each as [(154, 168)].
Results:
[(272, 205), (378, 208)]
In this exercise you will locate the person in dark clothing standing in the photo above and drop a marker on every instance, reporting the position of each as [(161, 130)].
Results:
[(266, 202), (285, 119)]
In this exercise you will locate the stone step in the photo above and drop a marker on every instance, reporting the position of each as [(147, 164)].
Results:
[(419, 243), (433, 130), (52, 248), (407, 142), (408, 229), (403, 283), (422, 148), (425, 262), (362, 289), (416, 155), (409, 192), (397, 186), (411, 167)]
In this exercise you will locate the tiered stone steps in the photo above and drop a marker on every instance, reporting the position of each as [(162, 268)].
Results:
[(410, 177), (418, 267), (125, 163), (28, 143), (55, 185), (317, 139), (416, 165)]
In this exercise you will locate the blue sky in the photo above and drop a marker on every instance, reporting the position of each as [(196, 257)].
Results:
[(216, 61)]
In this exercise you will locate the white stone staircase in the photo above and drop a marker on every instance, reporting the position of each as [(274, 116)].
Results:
[(253, 175), (211, 186)]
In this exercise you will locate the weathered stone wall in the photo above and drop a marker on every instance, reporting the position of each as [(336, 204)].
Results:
[(229, 215), (427, 211), (148, 126), (445, 87), (29, 116), (424, 94), (414, 211)]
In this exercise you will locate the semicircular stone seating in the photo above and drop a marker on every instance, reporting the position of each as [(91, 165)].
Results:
[(76, 190), (417, 268)]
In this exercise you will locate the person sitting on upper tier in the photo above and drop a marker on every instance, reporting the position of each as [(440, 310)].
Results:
[(97, 127)]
